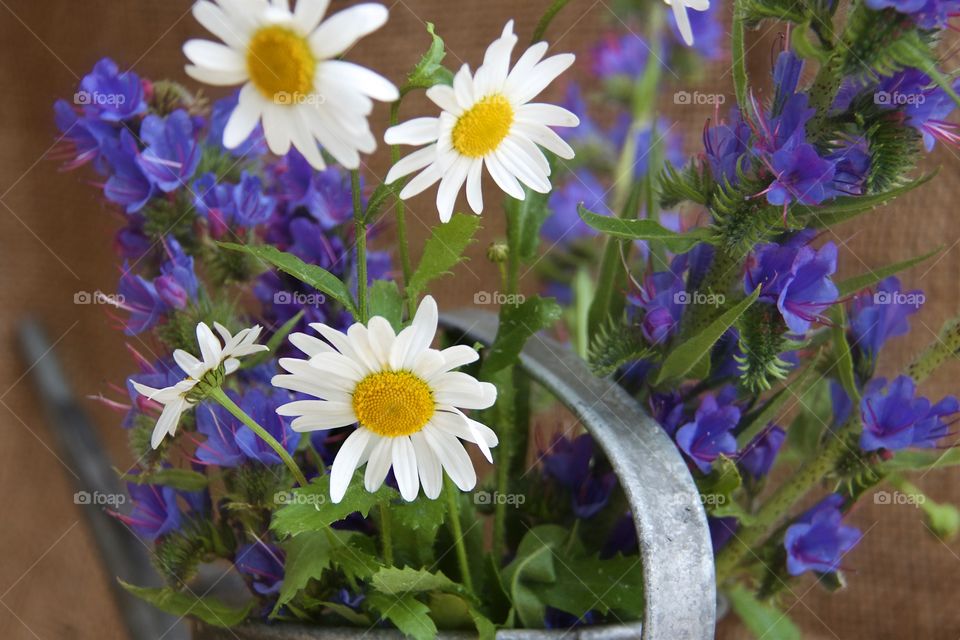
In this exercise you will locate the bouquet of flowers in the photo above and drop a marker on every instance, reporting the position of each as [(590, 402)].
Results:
[(298, 412)]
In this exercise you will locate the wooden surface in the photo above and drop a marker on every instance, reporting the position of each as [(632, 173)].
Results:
[(56, 235)]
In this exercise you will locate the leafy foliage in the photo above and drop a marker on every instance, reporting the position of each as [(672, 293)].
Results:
[(443, 251), (517, 324), (616, 345), (184, 603), (310, 508)]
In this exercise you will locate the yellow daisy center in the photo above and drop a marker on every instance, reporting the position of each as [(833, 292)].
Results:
[(481, 128), (393, 403), (281, 64)]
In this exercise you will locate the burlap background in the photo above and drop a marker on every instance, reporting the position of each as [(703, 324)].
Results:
[(56, 233)]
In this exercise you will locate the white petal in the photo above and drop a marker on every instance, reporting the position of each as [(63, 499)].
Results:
[(522, 90), (546, 138), (337, 365), (244, 118), (423, 180), (405, 468), (338, 32), (209, 346), (431, 473), (188, 363), (452, 456), (450, 186), (309, 13), (504, 179), (167, 423), (277, 128), (443, 96), (424, 327), (359, 339), (463, 86), (516, 162), (496, 61), (415, 132), (219, 24), (683, 22), (213, 55), (461, 390), (381, 337), (214, 77), (527, 62), (379, 464), (475, 185), (353, 450), (303, 138), (460, 426), (547, 114), (308, 344), (457, 356), (414, 162), (364, 80)]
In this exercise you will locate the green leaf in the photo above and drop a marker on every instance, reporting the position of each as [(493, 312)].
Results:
[(634, 229), (517, 324), (816, 412), (355, 557), (308, 556), (353, 617), (843, 357), (310, 508), (393, 581), (686, 355), (589, 583), (184, 603), (524, 219), (443, 251), (723, 479), (533, 564), (273, 344), (858, 283), (415, 527), (386, 301), (763, 620), (917, 460), (430, 70), (317, 277), (407, 613), (771, 410), (181, 479), (847, 207)]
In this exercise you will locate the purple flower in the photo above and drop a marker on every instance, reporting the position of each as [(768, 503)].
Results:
[(84, 138), (128, 184), (172, 154), (709, 435), (141, 299), (623, 55), (263, 564), (155, 511), (725, 144), (924, 104), (817, 541), (851, 162), (214, 201), (569, 462), (797, 279), (667, 409), (177, 285), (262, 407), (709, 28), (721, 531), (131, 242), (589, 135), (897, 419), (255, 145), (565, 226), (110, 95), (251, 206), (662, 299), (220, 430), (800, 175), (928, 14), (758, 456), (622, 538), (876, 317), (326, 195)]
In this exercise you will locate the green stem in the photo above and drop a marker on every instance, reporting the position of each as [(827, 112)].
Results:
[(739, 56), (400, 211), (453, 508), (220, 396), (386, 534), (360, 231), (547, 18)]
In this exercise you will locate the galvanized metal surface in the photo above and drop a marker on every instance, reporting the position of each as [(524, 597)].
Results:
[(675, 549)]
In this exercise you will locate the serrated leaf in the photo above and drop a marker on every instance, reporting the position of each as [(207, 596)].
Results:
[(408, 614), (762, 619), (651, 230), (846, 207), (430, 70), (517, 324), (355, 557), (686, 355), (386, 301), (307, 557), (317, 277), (182, 479), (443, 251), (415, 527), (310, 508), (858, 283), (395, 581), (183, 603)]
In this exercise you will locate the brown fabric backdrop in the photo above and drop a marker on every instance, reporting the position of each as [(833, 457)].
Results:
[(56, 234)]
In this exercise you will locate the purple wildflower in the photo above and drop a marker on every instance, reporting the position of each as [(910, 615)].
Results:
[(878, 316), (894, 418), (565, 226), (155, 511), (251, 206), (109, 94), (263, 564), (177, 284), (172, 153), (758, 457), (140, 298), (710, 433), (817, 541), (662, 300), (128, 184)]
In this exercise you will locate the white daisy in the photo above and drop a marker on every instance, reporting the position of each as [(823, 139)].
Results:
[(680, 15), (487, 119), (218, 360), (292, 79), (404, 397)]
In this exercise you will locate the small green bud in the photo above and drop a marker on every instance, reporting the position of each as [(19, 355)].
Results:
[(498, 252)]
